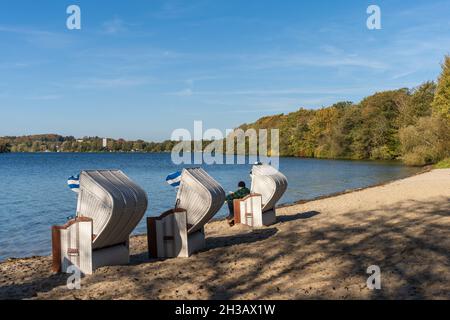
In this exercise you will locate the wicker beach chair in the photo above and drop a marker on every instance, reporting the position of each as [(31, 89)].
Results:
[(109, 207), (179, 232), (258, 208)]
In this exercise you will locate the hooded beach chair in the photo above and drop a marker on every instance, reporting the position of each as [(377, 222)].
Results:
[(109, 207), (179, 232), (258, 208)]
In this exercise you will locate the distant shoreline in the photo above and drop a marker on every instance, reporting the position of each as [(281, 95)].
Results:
[(80, 152), (398, 161)]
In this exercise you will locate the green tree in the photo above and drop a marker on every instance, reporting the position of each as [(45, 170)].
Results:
[(426, 142), (375, 136), (441, 102), (417, 104), (4, 147), (36, 146)]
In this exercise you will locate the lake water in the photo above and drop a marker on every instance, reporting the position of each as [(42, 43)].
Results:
[(34, 193)]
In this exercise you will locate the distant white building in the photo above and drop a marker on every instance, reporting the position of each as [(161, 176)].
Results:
[(105, 142)]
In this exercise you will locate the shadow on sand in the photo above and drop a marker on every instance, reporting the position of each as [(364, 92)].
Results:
[(215, 242), (409, 241), (298, 216), (29, 289), (397, 242)]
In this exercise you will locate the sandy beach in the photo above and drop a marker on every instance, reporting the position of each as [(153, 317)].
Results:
[(317, 250)]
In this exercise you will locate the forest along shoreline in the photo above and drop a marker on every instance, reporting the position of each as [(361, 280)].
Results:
[(317, 249)]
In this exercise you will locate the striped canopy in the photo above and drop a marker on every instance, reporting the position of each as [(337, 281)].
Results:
[(114, 202), (270, 183), (200, 195)]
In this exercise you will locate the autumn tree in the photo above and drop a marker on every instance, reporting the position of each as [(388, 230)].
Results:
[(417, 104), (4, 147), (441, 102), (426, 142)]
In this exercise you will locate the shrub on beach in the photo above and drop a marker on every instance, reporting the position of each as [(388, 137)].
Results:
[(427, 139), (426, 142), (443, 164)]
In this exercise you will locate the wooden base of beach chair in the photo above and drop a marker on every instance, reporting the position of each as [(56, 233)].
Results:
[(248, 211), (111, 256), (72, 245), (168, 237), (269, 217)]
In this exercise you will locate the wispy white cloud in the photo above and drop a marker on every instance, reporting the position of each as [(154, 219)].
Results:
[(38, 37), (403, 74), (173, 9), (133, 59), (276, 92), (192, 80), (45, 97), (330, 49), (183, 93), (24, 30), (111, 82), (270, 106), (327, 60), (15, 65), (114, 26), (422, 10)]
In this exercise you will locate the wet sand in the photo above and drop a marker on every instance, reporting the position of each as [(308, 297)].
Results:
[(317, 250)]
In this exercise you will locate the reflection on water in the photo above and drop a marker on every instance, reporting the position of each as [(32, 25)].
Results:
[(34, 194)]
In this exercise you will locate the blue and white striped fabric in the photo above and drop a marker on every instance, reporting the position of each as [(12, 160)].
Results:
[(74, 183), (174, 179)]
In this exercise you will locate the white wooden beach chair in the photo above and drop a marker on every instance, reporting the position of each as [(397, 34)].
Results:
[(109, 207), (258, 208), (179, 232)]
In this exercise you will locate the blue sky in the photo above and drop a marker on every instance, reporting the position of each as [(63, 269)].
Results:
[(140, 69)]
